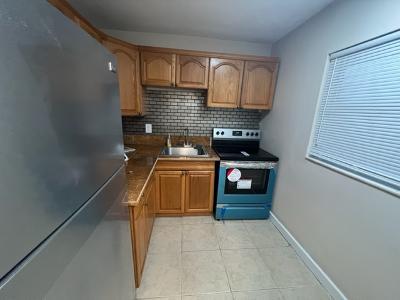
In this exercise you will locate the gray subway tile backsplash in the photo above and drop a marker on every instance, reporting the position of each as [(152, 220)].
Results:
[(173, 110)]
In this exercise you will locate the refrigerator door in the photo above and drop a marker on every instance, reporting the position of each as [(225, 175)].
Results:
[(88, 257), (60, 124)]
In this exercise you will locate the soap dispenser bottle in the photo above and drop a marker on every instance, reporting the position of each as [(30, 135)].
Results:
[(169, 140)]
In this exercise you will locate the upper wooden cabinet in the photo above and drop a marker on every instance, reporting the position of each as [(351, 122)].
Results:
[(258, 84), (128, 69), (225, 82), (192, 71), (232, 80), (158, 68)]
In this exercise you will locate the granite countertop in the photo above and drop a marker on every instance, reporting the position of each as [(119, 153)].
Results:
[(142, 163)]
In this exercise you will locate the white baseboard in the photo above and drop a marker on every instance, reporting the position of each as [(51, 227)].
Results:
[(322, 277)]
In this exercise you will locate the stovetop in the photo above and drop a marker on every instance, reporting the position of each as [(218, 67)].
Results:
[(243, 154), (240, 144)]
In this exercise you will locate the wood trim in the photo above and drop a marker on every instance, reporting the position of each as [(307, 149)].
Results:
[(118, 41), (136, 262), (203, 213), (209, 54), (173, 165), (69, 11), (131, 112)]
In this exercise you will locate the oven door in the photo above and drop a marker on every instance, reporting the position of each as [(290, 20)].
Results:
[(246, 182)]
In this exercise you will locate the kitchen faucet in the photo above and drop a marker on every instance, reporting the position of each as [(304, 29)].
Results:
[(186, 141)]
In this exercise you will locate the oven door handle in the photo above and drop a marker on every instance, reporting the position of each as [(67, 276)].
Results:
[(260, 165)]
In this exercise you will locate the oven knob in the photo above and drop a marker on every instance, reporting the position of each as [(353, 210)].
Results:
[(256, 133), (252, 133), (247, 134), (222, 133), (217, 132)]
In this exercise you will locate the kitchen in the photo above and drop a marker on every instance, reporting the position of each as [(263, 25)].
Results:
[(197, 156)]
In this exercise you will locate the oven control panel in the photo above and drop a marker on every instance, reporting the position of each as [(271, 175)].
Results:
[(240, 134)]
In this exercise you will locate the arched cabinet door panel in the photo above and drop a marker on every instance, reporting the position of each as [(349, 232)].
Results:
[(259, 81), (192, 71), (158, 69), (225, 82)]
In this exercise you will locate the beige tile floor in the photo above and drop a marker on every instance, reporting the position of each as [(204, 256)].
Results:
[(198, 258)]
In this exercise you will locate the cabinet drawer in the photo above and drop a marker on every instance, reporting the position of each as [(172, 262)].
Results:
[(173, 165)]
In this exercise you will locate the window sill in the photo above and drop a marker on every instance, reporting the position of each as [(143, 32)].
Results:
[(372, 183)]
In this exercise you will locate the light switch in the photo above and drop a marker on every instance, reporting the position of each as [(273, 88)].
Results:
[(149, 128)]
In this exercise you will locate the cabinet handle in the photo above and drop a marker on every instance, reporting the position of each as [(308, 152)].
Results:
[(111, 67)]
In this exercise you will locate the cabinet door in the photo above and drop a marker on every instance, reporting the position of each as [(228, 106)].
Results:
[(128, 69), (170, 186), (199, 191), (225, 82), (140, 240), (151, 202), (158, 68), (192, 71), (258, 84)]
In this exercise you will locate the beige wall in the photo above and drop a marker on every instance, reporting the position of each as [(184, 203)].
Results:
[(191, 42), (352, 230)]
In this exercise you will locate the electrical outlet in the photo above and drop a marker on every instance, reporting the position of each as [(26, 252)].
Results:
[(149, 128)]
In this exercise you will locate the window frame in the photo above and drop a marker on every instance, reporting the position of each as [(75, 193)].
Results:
[(330, 165)]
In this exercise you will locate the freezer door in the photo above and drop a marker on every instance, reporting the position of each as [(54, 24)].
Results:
[(60, 124)]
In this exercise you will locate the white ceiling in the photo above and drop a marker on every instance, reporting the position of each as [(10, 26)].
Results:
[(262, 21)]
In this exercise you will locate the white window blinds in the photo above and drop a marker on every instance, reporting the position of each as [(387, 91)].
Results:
[(357, 122)]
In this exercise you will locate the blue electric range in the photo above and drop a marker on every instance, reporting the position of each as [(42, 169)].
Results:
[(245, 175)]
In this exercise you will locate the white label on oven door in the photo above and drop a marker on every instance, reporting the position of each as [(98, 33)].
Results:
[(244, 184), (233, 175)]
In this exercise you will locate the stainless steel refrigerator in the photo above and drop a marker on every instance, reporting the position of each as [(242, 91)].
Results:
[(63, 231)]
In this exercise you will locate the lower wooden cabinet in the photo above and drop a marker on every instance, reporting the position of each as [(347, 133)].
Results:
[(199, 187), (176, 188), (140, 241), (141, 220), (170, 187), (184, 188)]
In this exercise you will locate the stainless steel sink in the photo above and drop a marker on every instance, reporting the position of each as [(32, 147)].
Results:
[(195, 151)]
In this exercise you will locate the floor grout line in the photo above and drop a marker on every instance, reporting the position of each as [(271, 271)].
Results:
[(223, 262), (220, 250)]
